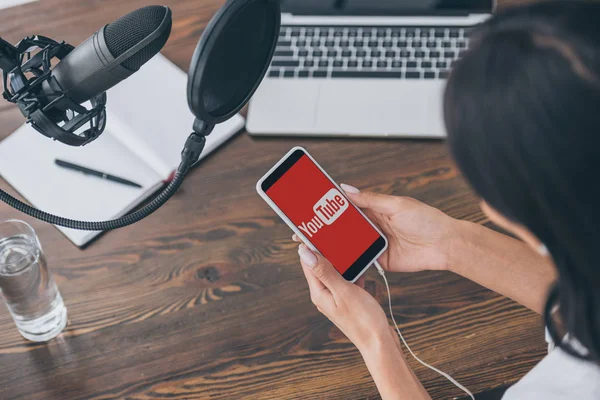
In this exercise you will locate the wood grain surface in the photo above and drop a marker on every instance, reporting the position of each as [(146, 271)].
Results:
[(206, 299)]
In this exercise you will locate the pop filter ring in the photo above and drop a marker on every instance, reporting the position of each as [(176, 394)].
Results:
[(216, 26), (190, 154)]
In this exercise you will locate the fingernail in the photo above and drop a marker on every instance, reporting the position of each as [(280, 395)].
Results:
[(294, 237), (307, 256), (349, 189)]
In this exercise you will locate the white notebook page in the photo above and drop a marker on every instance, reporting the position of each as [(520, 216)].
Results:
[(27, 163), (153, 105)]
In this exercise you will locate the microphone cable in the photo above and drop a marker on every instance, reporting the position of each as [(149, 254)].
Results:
[(190, 154), (442, 373)]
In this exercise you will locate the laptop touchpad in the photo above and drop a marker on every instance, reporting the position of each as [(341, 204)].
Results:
[(382, 106)]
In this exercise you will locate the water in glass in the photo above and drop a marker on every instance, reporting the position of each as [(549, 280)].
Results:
[(31, 294)]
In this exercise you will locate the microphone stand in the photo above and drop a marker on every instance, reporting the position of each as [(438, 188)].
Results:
[(19, 91)]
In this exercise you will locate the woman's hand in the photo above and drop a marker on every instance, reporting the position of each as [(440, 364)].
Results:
[(354, 311), (420, 237)]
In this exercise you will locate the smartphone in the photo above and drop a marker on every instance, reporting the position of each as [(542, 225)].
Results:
[(318, 211)]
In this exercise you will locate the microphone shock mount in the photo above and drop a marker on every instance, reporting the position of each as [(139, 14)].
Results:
[(25, 68)]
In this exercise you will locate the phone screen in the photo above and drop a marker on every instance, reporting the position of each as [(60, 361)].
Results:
[(323, 214)]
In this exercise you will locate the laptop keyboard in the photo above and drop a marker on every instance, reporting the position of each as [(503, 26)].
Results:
[(367, 52)]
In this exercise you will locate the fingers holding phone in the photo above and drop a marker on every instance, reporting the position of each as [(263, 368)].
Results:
[(420, 236), (352, 309), (360, 282)]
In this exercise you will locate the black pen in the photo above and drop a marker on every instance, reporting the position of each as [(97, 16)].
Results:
[(101, 175)]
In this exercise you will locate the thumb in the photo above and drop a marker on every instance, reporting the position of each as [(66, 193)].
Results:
[(321, 268), (381, 203)]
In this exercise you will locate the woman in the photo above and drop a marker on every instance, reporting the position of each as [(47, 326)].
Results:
[(522, 112)]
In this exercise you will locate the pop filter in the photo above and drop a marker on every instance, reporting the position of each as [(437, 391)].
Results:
[(229, 63), (231, 60)]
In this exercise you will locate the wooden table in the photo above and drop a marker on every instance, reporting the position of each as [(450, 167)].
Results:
[(206, 299)]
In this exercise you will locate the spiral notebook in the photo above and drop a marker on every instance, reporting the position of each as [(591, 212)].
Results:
[(148, 123)]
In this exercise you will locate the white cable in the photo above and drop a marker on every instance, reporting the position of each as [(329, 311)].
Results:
[(445, 375)]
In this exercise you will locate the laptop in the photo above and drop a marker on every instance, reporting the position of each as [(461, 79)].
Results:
[(371, 68)]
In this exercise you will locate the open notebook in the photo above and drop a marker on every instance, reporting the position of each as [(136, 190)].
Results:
[(13, 3), (148, 123)]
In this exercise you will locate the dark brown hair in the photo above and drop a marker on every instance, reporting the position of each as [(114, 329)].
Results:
[(522, 111)]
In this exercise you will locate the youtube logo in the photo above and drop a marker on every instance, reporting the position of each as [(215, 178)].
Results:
[(327, 210), (331, 206)]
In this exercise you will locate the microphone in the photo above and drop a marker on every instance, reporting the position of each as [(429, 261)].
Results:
[(241, 36), (110, 55), (52, 100)]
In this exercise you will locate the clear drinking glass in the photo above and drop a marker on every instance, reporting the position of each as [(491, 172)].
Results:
[(31, 294)]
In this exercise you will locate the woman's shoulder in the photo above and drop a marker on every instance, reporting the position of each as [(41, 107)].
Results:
[(558, 376)]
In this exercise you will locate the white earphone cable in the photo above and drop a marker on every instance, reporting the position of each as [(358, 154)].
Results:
[(445, 375)]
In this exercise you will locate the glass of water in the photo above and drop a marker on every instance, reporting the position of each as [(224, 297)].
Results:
[(31, 294)]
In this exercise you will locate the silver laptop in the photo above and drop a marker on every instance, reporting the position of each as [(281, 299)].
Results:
[(374, 68)]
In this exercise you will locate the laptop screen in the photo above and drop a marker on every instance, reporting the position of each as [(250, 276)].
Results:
[(386, 7)]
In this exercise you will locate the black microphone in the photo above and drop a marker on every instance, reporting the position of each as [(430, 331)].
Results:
[(110, 55), (52, 99)]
